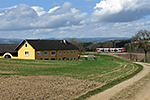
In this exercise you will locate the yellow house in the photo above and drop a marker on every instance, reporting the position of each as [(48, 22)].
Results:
[(46, 50)]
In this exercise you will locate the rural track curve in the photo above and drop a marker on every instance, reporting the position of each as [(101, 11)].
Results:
[(107, 94)]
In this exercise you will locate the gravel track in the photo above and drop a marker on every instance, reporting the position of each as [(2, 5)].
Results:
[(118, 91)]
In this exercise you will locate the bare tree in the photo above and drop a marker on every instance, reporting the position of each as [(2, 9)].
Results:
[(73, 41), (78, 44), (142, 40), (108, 44)]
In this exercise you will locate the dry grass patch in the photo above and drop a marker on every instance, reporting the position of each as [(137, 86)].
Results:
[(7, 72)]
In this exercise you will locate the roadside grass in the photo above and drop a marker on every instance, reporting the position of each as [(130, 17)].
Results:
[(131, 91), (110, 84), (102, 70)]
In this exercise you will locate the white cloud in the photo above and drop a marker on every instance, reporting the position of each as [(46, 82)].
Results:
[(39, 31), (73, 27), (1, 14), (40, 11), (63, 16), (8, 8), (120, 10), (67, 21), (62, 32), (23, 17), (124, 29), (53, 9), (148, 22), (18, 18)]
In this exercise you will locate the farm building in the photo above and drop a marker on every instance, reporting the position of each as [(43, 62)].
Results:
[(40, 49), (8, 51)]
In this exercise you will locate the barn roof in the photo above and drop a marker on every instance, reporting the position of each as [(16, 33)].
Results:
[(7, 48), (49, 44)]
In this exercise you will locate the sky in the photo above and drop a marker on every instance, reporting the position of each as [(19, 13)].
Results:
[(73, 18)]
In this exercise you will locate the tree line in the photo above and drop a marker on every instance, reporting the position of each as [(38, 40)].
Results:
[(139, 43), (90, 46)]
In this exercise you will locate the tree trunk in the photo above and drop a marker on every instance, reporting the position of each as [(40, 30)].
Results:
[(145, 56)]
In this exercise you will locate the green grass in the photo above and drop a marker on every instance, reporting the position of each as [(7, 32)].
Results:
[(102, 70), (43, 67), (76, 69)]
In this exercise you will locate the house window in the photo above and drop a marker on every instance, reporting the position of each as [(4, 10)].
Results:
[(68, 51), (46, 58), (64, 58), (45, 52), (26, 53), (74, 58), (59, 52), (53, 52), (68, 58), (59, 58), (26, 45), (71, 51), (74, 51), (64, 52), (38, 53), (53, 58)]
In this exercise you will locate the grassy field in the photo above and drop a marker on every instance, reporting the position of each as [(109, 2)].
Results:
[(102, 70)]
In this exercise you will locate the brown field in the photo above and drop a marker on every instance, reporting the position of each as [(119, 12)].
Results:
[(43, 87)]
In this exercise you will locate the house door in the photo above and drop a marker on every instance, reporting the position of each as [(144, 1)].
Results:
[(7, 56)]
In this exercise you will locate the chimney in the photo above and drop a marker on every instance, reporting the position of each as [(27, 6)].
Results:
[(65, 41)]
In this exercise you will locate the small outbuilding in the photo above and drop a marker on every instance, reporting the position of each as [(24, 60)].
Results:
[(91, 57), (8, 51)]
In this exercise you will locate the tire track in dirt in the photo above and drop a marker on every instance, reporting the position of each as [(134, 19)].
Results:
[(107, 94)]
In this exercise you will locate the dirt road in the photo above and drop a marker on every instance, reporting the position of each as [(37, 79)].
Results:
[(136, 88)]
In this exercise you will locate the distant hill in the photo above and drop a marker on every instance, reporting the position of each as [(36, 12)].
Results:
[(101, 39), (94, 40), (10, 41)]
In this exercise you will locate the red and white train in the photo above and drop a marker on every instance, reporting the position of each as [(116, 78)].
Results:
[(110, 50)]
